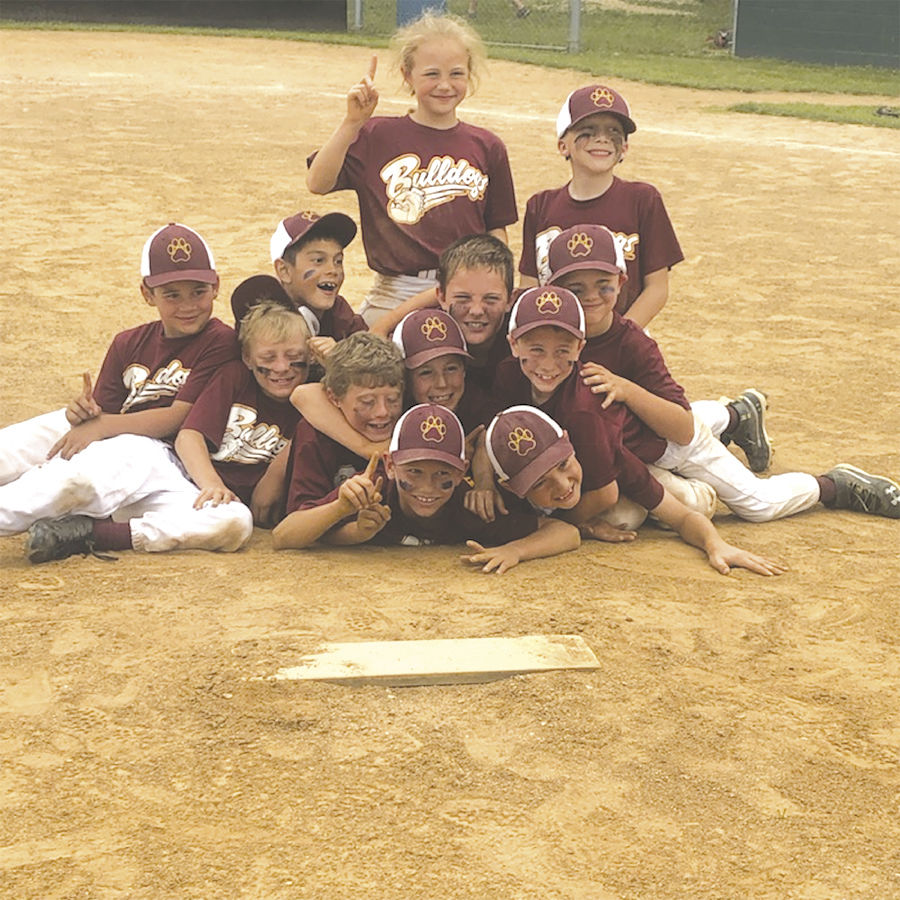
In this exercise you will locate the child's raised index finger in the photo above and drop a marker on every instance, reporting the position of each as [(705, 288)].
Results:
[(371, 466), (87, 387), (373, 65)]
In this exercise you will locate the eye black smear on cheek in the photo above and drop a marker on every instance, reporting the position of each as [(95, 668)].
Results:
[(308, 274), (404, 485), (446, 485)]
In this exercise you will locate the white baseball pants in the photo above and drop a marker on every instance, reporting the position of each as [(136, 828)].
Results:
[(133, 479), (26, 444)]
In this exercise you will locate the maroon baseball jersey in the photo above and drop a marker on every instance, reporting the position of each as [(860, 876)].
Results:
[(484, 372), (144, 369), (476, 407), (340, 321), (318, 465), (627, 350), (632, 210), (421, 188), (243, 427), (596, 433)]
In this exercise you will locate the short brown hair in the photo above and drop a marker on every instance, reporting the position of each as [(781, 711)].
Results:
[(477, 251), (364, 359)]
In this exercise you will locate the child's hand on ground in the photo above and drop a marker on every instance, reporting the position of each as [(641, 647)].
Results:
[(499, 559), (214, 496), (319, 348), (723, 557), (603, 531), (601, 381), (372, 519), (362, 98), (83, 407)]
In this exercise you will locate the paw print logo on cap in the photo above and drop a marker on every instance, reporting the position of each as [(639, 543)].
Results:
[(602, 97), (521, 441), (579, 244), (434, 329), (548, 303), (179, 250), (309, 215), (433, 429)]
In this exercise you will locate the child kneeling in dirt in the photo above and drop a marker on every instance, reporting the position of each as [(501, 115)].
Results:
[(423, 501)]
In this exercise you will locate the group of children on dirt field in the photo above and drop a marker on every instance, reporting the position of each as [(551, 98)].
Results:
[(452, 408)]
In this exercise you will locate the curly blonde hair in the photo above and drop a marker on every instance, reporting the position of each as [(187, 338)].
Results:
[(269, 320), (429, 26)]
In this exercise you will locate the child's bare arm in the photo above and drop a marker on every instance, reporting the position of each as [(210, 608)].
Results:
[(361, 102), (369, 522), (191, 448), (484, 499), (267, 499), (552, 537), (698, 531), (666, 418), (314, 405), (651, 299), (155, 423), (392, 318), (305, 526)]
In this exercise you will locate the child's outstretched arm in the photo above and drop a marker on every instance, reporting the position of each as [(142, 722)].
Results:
[(698, 531), (666, 418), (305, 526), (314, 405), (361, 102), (191, 448), (552, 537)]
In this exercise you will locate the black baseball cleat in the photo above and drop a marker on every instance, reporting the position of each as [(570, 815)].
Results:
[(860, 491), (750, 432), (50, 539)]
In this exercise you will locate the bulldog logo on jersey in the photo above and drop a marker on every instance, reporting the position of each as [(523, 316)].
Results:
[(602, 98), (521, 441), (434, 329), (548, 303), (579, 244), (433, 429), (179, 250), (412, 189)]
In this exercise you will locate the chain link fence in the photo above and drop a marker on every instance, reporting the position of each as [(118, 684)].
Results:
[(541, 24)]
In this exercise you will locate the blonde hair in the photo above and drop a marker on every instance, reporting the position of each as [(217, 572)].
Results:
[(407, 40), (364, 359), (269, 320)]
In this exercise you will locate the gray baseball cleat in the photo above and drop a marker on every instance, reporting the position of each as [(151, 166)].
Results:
[(750, 432), (50, 539), (860, 491)]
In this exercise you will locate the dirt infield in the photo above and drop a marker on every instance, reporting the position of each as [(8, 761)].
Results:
[(741, 736)]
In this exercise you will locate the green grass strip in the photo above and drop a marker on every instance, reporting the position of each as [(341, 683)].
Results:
[(823, 112)]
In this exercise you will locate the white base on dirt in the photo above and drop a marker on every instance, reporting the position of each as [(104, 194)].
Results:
[(408, 663)]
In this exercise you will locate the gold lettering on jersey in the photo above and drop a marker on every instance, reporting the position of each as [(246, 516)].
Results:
[(412, 190), (247, 441), (433, 429), (521, 441), (434, 329), (179, 250), (144, 388)]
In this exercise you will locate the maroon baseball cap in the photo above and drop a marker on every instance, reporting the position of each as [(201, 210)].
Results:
[(524, 444), (259, 288), (310, 224), (585, 247), (595, 98), (177, 253), (426, 334), (547, 305), (429, 431)]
